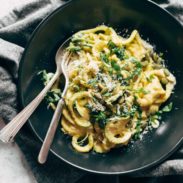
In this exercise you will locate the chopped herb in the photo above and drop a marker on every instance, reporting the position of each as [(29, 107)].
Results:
[(131, 112), (138, 129), (150, 78), (119, 76), (95, 106), (115, 66), (53, 96), (161, 54), (93, 82), (45, 77), (119, 52), (142, 90), (76, 39), (133, 59), (158, 115), (104, 57), (110, 70), (111, 45), (168, 107), (99, 117), (89, 106), (135, 73), (78, 43), (137, 70), (153, 119), (74, 49), (107, 94)]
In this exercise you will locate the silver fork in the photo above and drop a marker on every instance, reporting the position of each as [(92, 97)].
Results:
[(43, 154)]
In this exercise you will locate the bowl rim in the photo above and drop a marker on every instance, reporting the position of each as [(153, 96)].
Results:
[(22, 102)]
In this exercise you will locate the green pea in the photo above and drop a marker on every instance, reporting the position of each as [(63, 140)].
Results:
[(164, 81), (166, 71)]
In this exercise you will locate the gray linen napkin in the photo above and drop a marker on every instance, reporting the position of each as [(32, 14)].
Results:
[(15, 30)]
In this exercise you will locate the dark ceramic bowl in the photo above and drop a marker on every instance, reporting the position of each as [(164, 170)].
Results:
[(155, 25)]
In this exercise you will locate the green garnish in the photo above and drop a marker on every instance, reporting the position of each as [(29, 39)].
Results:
[(161, 54), (93, 82), (111, 45), (142, 90), (104, 57), (53, 96), (168, 107), (115, 66), (138, 129), (99, 117), (107, 94), (158, 115), (74, 49), (45, 77), (119, 52), (131, 112), (136, 71), (78, 43), (150, 78)]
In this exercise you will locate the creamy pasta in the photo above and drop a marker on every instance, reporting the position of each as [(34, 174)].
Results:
[(116, 88)]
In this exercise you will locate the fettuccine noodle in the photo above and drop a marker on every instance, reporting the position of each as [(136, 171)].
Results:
[(116, 85)]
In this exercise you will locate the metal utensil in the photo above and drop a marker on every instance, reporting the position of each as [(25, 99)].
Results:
[(42, 157), (12, 128)]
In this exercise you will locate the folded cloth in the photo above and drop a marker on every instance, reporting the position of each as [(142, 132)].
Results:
[(15, 30)]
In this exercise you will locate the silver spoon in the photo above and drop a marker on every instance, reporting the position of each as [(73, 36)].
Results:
[(43, 154), (8, 133)]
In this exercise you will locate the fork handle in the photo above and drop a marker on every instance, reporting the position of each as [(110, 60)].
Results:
[(43, 154), (11, 129)]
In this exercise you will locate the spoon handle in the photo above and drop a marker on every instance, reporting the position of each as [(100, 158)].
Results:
[(42, 157), (11, 129)]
